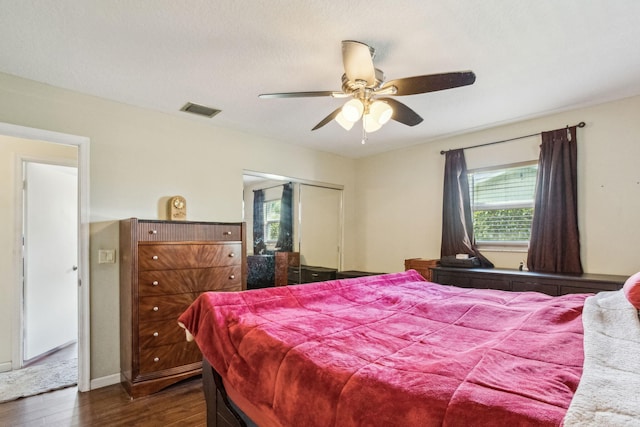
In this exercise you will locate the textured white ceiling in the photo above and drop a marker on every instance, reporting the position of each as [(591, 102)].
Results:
[(531, 58)]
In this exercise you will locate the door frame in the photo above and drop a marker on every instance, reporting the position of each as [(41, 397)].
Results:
[(84, 325)]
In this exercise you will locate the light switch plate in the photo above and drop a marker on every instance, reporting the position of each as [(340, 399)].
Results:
[(106, 256)]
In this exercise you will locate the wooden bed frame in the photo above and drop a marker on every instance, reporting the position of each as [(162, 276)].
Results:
[(220, 411)]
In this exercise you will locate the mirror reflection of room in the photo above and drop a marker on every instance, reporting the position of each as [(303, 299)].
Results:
[(294, 231)]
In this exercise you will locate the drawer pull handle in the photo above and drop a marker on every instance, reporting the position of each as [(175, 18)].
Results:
[(155, 257), (233, 276), (155, 283), (153, 231), (231, 255), (314, 274), (156, 359), (226, 233), (155, 334), (155, 308)]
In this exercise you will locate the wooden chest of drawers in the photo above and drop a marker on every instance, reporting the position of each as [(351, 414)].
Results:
[(422, 266), (164, 266)]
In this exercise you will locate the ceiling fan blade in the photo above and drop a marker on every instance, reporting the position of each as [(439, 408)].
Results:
[(358, 62), (328, 119), (430, 83), (402, 113), (300, 94)]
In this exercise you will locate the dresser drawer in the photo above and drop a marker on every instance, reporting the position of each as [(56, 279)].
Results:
[(160, 332), (154, 308), (318, 274), (294, 275), (452, 279), (525, 286), (168, 356), (180, 232), (164, 282), (168, 256)]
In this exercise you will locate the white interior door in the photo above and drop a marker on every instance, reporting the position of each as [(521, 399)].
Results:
[(50, 257)]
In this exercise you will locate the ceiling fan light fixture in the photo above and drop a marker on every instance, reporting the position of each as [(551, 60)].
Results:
[(364, 84), (352, 110), (370, 123), (380, 111), (346, 124)]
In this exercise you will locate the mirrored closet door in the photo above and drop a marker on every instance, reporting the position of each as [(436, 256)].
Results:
[(312, 250)]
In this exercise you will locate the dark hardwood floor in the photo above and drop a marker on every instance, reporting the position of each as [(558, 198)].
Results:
[(179, 405)]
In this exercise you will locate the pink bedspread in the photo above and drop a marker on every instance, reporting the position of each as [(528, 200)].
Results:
[(394, 350)]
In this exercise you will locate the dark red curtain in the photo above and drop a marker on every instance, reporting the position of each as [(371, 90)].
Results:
[(555, 241), (259, 247), (285, 235), (457, 224)]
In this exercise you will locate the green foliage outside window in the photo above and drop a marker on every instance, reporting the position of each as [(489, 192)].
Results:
[(273, 230), (502, 225), (272, 220)]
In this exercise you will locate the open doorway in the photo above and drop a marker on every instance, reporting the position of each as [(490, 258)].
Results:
[(23, 153), (50, 262)]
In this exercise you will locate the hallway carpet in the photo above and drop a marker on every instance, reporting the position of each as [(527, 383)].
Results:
[(38, 379)]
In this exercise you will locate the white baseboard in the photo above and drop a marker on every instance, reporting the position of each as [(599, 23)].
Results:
[(105, 381), (4, 367)]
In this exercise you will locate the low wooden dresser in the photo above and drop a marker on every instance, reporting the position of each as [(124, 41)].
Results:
[(350, 274), (521, 281), (164, 266)]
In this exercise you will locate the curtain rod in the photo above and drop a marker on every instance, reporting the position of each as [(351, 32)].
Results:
[(273, 186), (580, 125)]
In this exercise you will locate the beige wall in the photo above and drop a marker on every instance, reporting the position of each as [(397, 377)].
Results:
[(138, 159), (399, 198)]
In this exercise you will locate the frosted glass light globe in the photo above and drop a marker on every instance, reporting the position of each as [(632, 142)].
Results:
[(352, 110), (381, 111)]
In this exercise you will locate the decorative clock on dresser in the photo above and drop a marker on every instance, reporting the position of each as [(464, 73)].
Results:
[(164, 266)]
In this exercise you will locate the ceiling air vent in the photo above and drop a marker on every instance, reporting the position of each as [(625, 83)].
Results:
[(201, 110)]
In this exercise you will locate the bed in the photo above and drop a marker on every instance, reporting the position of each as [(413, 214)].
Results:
[(397, 350)]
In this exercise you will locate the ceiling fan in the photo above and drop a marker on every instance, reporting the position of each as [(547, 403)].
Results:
[(369, 93)]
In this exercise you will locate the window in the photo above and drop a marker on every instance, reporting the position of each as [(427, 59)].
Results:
[(502, 203), (271, 221)]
